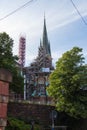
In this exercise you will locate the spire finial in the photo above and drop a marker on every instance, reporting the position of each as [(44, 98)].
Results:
[(40, 43), (44, 14), (44, 20)]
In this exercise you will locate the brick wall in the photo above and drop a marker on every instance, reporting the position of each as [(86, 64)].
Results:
[(5, 78)]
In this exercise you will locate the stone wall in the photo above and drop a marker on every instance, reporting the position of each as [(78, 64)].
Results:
[(38, 113), (42, 114)]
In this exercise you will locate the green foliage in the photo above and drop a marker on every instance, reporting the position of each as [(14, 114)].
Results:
[(6, 56), (8, 61), (18, 83), (68, 83), (16, 124)]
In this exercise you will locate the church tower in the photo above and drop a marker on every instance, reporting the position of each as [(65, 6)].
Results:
[(37, 74)]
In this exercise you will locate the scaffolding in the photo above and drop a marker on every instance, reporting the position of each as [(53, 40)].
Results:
[(22, 45)]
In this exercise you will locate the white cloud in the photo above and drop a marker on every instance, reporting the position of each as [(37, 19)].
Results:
[(65, 20)]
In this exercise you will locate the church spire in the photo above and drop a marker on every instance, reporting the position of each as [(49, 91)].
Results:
[(45, 42)]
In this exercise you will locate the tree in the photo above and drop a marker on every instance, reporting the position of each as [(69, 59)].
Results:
[(68, 84), (6, 57), (8, 61)]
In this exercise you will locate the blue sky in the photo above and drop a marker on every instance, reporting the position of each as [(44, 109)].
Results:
[(64, 26)]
